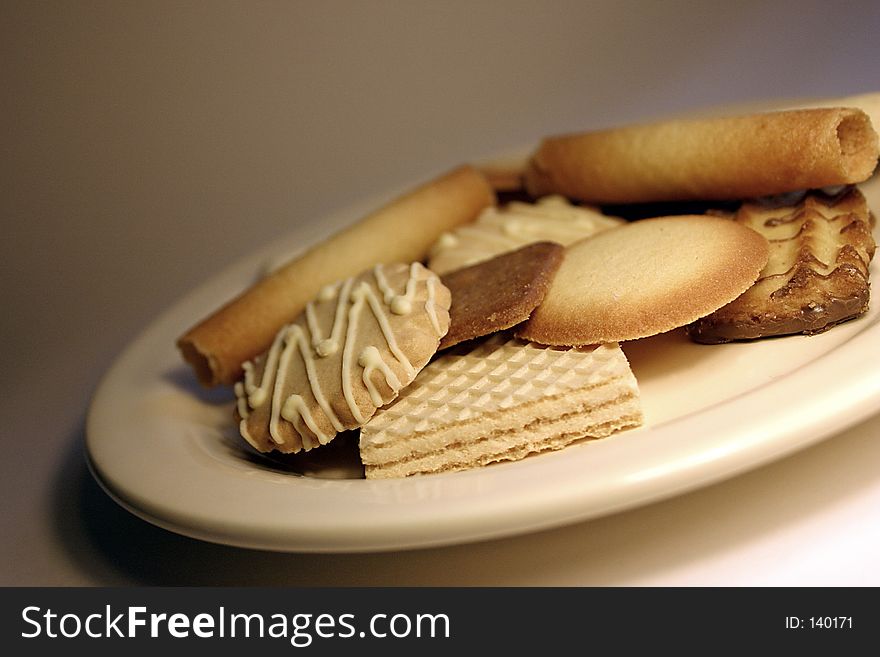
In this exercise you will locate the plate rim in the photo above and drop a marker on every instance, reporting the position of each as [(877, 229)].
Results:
[(557, 507)]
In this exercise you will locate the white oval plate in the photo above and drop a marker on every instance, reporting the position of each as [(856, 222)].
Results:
[(169, 452)]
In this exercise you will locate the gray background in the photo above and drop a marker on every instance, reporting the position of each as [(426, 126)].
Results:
[(146, 145)]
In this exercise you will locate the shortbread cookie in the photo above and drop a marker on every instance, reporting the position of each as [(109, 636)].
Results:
[(645, 278), (351, 351), (721, 158), (817, 274), (499, 230), (499, 293), (401, 231), (499, 401)]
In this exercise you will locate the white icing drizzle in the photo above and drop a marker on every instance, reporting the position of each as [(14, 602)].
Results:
[(512, 227), (382, 320), (298, 334), (295, 410), (353, 313), (364, 293), (414, 271), (277, 366), (327, 292), (399, 304), (497, 230), (328, 346), (283, 368), (310, 342), (490, 231), (371, 360), (382, 284), (431, 306), (256, 395), (558, 221), (447, 240), (244, 410)]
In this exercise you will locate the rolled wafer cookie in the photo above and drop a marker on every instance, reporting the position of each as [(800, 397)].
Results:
[(817, 274), (354, 348), (401, 231), (508, 173), (718, 158), (869, 103), (500, 400)]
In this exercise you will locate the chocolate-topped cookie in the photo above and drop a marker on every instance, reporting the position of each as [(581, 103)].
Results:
[(817, 274)]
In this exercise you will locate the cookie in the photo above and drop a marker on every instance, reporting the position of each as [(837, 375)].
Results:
[(869, 103), (817, 274), (500, 400), (504, 175), (499, 230), (499, 293), (720, 158), (401, 231), (645, 278), (351, 351)]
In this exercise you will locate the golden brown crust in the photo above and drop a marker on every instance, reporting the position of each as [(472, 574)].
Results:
[(817, 275), (723, 158), (403, 231), (499, 293), (869, 103), (645, 278)]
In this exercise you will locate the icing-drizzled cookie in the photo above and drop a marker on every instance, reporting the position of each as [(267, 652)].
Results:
[(505, 229), (351, 351)]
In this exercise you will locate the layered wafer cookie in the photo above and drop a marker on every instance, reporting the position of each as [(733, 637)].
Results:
[(816, 276), (501, 400), (500, 230), (351, 351)]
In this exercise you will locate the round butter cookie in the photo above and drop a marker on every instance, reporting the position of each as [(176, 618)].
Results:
[(351, 351), (645, 278)]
